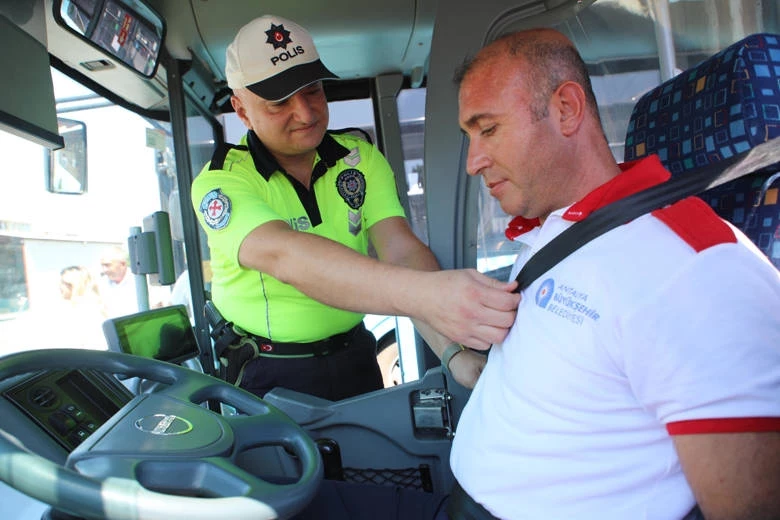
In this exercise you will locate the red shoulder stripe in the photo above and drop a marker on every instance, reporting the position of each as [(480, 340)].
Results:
[(696, 223), (731, 425)]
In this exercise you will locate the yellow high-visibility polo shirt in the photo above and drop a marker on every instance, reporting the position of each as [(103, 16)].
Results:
[(243, 186)]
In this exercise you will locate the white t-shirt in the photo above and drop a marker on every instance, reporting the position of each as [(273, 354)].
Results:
[(669, 324), (119, 299)]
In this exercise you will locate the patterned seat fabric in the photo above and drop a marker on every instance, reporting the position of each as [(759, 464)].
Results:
[(714, 111)]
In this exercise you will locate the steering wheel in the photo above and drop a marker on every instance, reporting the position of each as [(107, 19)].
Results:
[(164, 441)]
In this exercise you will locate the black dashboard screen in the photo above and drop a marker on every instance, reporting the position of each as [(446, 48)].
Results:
[(165, 334)]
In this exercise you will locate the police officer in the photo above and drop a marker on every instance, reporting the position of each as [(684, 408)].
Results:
[(289, 213)]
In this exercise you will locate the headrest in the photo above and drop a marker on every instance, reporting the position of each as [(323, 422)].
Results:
[(722, 107)]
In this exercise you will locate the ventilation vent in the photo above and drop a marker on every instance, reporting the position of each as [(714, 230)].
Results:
[(96, 65)]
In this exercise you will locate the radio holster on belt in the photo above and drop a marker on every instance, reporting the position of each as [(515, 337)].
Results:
[(232, 348), (235, 356)]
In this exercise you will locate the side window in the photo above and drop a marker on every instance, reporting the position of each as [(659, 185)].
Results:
[(411, 111), (13, 279), (354, 113), (495, 253)]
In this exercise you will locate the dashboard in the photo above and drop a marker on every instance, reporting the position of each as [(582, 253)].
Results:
[(68, 404), (56, 403)]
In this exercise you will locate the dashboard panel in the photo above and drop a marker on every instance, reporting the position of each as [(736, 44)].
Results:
[(68, 404)]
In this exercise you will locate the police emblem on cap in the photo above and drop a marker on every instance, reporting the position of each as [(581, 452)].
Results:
[(215, 208), (278, 36), (352, 187)]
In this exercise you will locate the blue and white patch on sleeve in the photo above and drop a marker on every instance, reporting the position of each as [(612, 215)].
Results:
[(215, 208)]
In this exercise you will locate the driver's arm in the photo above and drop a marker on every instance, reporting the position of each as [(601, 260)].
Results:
[(733, 476)]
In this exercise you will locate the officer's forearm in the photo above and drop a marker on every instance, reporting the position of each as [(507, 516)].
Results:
[(397, 244), (330, 272)]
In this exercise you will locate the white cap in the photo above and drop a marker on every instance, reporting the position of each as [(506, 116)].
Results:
[(274, 58)]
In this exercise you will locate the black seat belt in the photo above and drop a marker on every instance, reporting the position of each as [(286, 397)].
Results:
[(763, 156)]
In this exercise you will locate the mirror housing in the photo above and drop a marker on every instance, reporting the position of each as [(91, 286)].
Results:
[(66, 168)]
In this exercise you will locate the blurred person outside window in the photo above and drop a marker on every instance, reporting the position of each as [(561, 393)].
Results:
[(81, 316)]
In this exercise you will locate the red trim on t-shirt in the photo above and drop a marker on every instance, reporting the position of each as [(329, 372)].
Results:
[(635, 176), (731, 425), (519, 226), (696, 223)]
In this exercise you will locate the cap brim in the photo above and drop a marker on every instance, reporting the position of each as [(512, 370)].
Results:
[(287, 83)]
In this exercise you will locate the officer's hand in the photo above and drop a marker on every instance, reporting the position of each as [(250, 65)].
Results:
[(468, 307), (466, 366)]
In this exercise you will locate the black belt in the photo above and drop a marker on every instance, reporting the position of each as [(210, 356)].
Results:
[(321, 347), (462, 507)]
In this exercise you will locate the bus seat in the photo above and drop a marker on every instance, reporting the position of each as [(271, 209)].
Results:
[(713, 112)]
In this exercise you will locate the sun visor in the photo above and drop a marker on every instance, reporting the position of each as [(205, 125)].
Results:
[(27, 106)]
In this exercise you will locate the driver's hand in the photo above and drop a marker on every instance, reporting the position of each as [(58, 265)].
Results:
[(466, 366)]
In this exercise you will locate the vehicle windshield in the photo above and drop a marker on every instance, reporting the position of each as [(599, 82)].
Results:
[(63, 245)]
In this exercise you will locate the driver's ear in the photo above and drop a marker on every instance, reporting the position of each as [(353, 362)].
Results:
[(569, 100)]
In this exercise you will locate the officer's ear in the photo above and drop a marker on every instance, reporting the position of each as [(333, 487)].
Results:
[(238, 106)]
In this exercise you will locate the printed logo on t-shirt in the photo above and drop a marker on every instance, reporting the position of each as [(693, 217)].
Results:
[(215, 208), (565, 302), (545, 292)]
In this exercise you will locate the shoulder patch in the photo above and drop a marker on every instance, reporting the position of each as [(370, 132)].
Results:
[(215, 207), (353, 158), (696, 223)]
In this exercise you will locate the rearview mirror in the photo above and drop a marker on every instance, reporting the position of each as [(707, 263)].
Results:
[(66, 168), (129, 30)]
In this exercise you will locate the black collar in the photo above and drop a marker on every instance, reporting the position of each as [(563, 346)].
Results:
[(266, 164)]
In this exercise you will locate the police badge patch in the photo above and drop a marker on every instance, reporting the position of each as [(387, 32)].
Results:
[(215, 208), (352, 187)]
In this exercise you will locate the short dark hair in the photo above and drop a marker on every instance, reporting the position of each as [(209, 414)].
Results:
[(549, 63)]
